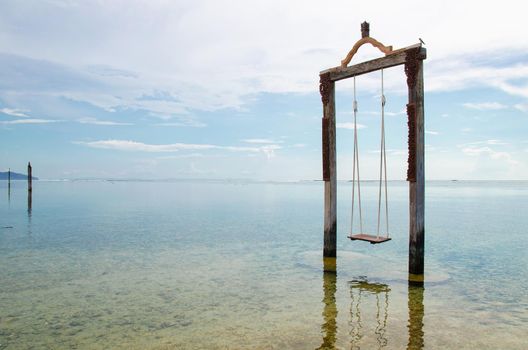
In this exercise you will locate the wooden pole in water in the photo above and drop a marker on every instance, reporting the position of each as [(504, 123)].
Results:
[(30, 177), (30, 188), (416, 170), (327, 90), (9, 180)]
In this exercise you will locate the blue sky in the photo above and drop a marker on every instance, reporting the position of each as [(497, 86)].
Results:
[(229, 89)]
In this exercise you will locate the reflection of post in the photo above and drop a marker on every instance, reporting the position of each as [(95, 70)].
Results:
[(416, 315), (329, 327), (30, 202), (355, 319)]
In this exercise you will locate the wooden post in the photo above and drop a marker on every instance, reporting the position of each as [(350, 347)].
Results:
[(327, 89), (9, 180), (30, 188), (416, 171), (30, 177)]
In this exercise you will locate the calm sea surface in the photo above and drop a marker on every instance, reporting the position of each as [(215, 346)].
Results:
[(234, 265)]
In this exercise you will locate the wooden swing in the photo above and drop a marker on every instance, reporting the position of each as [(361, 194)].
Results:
[(373, 239), (411, 57)]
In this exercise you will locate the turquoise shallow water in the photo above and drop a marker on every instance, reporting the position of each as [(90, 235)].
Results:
[(234, 265)]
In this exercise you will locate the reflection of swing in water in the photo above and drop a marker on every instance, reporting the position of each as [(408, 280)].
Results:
[(329, 327), (359, 288)]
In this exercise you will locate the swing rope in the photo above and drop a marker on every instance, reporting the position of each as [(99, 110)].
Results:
[(355, 164), (383, 163)]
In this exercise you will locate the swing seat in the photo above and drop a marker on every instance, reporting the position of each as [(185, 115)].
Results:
[(369, 238)]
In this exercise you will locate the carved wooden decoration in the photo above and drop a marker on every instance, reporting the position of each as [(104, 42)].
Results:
[(411, 66), (365, 39), (326, 150), (324, 87), (411, 140)]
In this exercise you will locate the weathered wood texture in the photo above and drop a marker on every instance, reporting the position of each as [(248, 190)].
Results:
[(30, 202), (373, 239), (30, 177), (366, 40), (9, 184), (326, 147), (329, 170), (417, 187), (396, 58)]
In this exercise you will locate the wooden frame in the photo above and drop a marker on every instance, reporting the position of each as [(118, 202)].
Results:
[(412, 57)]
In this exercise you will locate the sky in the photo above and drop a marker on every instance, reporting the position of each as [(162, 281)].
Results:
[(229, 89)]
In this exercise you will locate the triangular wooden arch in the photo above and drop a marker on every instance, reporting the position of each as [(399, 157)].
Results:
[(366, 39)]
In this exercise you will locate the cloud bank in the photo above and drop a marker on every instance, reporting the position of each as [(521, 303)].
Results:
[(172, 57)]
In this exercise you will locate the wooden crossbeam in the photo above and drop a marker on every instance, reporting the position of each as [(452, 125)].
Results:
[(396, 58)]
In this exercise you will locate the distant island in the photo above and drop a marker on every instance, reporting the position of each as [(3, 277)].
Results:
[(15, 176)]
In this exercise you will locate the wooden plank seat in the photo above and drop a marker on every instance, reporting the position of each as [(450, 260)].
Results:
[(369, 238)]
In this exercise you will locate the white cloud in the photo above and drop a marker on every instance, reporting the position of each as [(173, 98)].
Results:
[(261, 141), (463, 71), (349, 125), (496, 142), (213, 69), (269, 150), (431, 132), (29, 121), (523, 107), (299, 145), (496, 155), (387, 113), (128, 145), (392, 114), (182, 156), (485, 106), (95, 121), (492, 142), (394, 152), (194, 124), (510, 87), (14, 112), (177, 120)]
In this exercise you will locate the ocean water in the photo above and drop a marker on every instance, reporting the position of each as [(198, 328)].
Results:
[(238, 265)]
